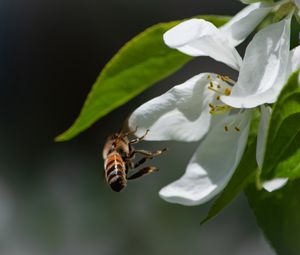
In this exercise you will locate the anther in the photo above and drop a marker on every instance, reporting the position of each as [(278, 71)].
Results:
[(227, 79), (226, 128), (211, 106), (237, 129), (211, 84), (227, 92), (209, 76), (217, 97)]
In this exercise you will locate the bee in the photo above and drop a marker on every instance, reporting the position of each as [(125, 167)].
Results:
[(118, 155)]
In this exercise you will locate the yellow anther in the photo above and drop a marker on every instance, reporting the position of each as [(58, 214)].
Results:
[(227, 92), (209, 76), (219, 86), (227, 79), (237, 129), (211, 84), (226, 128), (211, 106), (217, 97)]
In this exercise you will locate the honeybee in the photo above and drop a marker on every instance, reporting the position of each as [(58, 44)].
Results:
[(118, 155)]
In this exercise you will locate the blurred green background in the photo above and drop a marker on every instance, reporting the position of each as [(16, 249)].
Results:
[(53, 197)]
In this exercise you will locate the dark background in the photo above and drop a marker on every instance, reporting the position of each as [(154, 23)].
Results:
[(53, 198)]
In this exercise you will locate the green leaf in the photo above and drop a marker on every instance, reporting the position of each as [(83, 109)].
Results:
[(276, 15), (245, 172), (282, 156), (278, 215), (139, 64), (295, 31)]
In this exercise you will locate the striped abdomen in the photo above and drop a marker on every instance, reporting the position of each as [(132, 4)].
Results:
[(115, 171)]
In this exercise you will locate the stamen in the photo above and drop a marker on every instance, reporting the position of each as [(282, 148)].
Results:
[(220, 85), (227, 79), (223, 107), (237, 122), (219, 109), (211, 105), (215, 90), (226, 92), (226, 128)]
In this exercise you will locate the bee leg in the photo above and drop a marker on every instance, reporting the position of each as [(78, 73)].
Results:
[(143, 171), (138, 139), (150, 153), (141, 161)]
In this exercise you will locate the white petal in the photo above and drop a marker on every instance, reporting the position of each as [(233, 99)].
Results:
[(180, 114), (294, 60), (264, 68), (213, 164), (262, 134), (275, 184), (198, 37), (244, 22)]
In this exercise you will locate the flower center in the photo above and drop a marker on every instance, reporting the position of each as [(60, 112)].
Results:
[(221, 86)]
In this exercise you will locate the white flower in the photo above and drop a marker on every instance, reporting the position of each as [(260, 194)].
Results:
[(195, 110), (201, 38)]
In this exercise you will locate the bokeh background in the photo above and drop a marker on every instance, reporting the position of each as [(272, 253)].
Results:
[(53, 197)]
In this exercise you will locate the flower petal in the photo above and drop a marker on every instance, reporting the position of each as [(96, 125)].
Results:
[(262, 134), (198, 37), (275, 184), (180, 114), (264, 68), (244, 22), (294, 60), (213, 164)]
